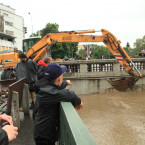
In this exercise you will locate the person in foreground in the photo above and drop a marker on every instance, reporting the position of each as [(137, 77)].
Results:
[(49, 95), (8, 132)]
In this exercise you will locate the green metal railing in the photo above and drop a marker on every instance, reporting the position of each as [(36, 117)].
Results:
[(72, 129)]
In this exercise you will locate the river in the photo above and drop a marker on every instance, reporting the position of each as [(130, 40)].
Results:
[(116, 118)]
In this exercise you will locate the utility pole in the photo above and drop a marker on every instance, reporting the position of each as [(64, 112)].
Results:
[(31, 22), (88, 48), (72, 51)]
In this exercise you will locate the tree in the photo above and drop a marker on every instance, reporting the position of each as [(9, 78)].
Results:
[(128, 45), (98, 51), (58, 50), (128, 49), (139, 46), (80, 53), (49, 28)]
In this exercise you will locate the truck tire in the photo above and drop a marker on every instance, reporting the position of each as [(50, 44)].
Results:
[(3, 75), (9, 74)]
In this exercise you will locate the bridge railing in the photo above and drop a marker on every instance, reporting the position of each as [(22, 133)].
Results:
[(140, 64), (97, 67), (72, 129), (100, 65), (18, 96)]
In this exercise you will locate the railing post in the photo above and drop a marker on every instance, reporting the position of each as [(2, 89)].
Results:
[(116, 69), (83, 68), (25, 99), (15, 109)]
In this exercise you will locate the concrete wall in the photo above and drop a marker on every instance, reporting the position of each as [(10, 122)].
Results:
[(93, 86)]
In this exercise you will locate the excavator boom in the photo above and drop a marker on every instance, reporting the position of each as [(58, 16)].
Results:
[(84, 36), (39, 49)]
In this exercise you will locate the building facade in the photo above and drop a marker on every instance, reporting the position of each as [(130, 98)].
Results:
[(11, 29), (88, 51)]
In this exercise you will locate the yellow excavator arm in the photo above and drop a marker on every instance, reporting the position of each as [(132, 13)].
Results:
[(41, 47), (117, 50)]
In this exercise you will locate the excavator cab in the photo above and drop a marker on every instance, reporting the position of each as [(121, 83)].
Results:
[(29, 42)]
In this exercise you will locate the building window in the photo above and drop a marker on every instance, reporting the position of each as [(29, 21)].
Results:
[(5, 14), (1, 37), (9, 32), (8, 23)]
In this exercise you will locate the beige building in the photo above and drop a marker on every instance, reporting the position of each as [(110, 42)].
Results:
[(11, 29), (80, 47)]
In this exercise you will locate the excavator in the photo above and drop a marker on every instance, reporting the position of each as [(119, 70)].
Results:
[(39, 49)]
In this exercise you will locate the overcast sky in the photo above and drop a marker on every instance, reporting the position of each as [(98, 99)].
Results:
[(124, 18)]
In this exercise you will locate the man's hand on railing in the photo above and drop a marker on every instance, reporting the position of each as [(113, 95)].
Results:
[(69, 82), (6, 118), (80, 106), (11, 131), (7, 126)]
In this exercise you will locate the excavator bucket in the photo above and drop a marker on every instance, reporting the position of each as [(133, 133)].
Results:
[(123, 84)]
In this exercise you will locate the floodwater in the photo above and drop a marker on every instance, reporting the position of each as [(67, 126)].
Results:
[(116, 118)]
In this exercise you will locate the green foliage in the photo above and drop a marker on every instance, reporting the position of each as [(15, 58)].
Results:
[(98, 51), (80, 54), (49, 28), (58, 50), (139, 46), (34, 34), (128, 50), (128, 45)]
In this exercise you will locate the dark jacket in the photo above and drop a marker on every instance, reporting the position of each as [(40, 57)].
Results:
[(27, 69), (47, 118), (41, 68), (35, 109), (41, 72), (3, 137)]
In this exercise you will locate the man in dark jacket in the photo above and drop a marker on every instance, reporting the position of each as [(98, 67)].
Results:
[(49, 95), (42, 64), (27, 68), (8, 132)]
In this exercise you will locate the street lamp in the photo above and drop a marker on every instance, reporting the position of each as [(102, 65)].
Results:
[(72, 51), (31, 22)]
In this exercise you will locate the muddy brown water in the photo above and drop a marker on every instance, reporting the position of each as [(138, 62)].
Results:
[(116, 118)]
